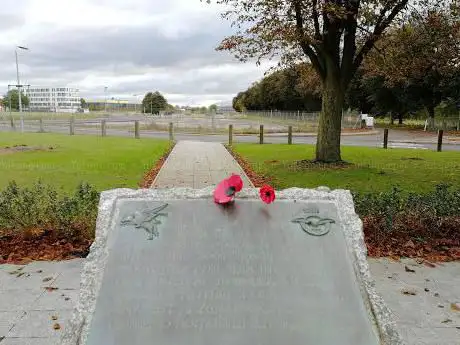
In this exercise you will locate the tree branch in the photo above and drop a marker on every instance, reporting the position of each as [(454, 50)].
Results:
[(306, 47), (382, 24), (349, 41), (316, 20)]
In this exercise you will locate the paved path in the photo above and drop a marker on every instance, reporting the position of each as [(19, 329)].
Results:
[(197, 164), (32, 296)]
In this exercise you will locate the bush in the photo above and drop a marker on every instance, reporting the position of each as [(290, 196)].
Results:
[(433, 213), (40, 208)]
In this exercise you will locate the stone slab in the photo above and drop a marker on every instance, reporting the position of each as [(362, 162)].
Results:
[(246, 274)]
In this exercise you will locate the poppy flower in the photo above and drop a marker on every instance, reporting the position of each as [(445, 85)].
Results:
[(236, 182), (267, 194), (226, 189)]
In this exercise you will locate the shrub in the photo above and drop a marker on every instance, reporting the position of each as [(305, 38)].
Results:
[(40, 208)]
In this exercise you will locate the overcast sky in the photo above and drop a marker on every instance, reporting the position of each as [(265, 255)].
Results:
[(131, 46)]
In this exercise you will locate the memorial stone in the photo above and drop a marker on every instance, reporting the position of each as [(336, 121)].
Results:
[(171, 267)]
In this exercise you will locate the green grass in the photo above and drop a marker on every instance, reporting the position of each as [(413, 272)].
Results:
[(106, 163), (373, 169)]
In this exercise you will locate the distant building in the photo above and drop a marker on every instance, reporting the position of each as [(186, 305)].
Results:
[(112, 105), (55, 99)]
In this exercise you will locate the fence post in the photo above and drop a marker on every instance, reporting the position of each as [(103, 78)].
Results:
[(137, 133), (13, 127), (230, 135), (385, 138), (440, 134), (171, 133), (261, 134), (104, 128), (72, 125), (290, 135), (42, 129)]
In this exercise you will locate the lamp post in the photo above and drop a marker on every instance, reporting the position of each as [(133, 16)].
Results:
[(105, 93), (19, 85)]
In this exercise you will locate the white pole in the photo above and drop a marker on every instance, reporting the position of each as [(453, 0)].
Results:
[(19, 91)]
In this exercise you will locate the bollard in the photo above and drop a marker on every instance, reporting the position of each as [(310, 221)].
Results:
[(72, 126), (42, 128), (261, 134), (230, 135), (171, 133), (440, 134), (137, 133), (104, 128), (290, 135), (385, 138)]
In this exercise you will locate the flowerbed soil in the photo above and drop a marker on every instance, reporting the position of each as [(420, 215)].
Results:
[(18, 249), (150, 176), (418, 242)]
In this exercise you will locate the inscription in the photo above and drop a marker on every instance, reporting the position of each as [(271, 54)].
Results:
[(147, 220)]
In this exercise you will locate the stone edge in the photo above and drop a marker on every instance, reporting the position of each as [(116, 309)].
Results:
[(77, 329)]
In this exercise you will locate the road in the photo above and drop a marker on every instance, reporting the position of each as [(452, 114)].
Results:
[(397, 138)]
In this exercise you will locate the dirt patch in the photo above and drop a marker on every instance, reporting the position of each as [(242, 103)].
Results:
[(257, 180), (18, 249), (150, 176), (412, 239), (24, 148), (412, 159), (307, 164)]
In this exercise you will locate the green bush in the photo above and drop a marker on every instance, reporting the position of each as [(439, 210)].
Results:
[(429, 210), (40, 208)]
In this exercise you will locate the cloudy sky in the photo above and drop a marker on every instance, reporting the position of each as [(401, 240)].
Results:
[(130, 46)]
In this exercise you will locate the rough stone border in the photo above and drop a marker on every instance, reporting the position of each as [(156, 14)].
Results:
[(76, 332)]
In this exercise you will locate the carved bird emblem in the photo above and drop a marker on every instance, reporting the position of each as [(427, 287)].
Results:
[(314, 225), (147, 220)]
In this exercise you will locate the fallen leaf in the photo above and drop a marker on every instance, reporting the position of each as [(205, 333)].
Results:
[(440, 306), (57, 326), (455, 306), (429, 264), (436, 295), (67, 298), (40, 271), (20, 274), (50, 288), (427, 290), (446, 321), (409, 292), (407, 269), (47, 279), (54, 317)]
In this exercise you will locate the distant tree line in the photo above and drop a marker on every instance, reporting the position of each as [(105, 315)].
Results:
[(414, 67)]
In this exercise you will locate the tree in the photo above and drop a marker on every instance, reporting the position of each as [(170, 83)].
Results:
[(13, 96), (83, 103), (213, 108), (422, 56), (153, 102), (334, 35)]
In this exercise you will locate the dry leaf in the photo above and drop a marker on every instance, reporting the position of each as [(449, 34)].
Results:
[(409, 292), (47, 279), (407, 269), (446, 321), (50, 288), (54, 317), (455, 306), (57, 326)]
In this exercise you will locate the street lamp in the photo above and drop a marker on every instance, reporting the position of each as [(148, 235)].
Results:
[(19, 84), (105, 93), (137, 101)]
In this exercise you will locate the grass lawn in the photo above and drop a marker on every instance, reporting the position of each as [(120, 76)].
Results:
[(106, 163), (373, 169)]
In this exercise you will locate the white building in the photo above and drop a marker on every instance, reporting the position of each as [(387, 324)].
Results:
[(55, 99)]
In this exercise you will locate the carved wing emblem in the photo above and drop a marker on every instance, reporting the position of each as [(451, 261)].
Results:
[(314, 225), (147, 220)]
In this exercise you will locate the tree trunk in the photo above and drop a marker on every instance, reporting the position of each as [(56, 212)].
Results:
[(400, 118), (330, 121), (392, 119)]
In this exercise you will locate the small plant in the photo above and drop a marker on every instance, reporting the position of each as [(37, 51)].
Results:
[(38, 209)]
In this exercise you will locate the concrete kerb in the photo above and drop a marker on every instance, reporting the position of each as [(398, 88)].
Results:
[(164, 163)]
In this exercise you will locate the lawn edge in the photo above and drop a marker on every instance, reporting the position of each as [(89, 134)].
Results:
[(150, 176)]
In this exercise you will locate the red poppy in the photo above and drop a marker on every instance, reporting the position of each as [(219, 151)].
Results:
[(226, 189), (236, 182), (267, 194)]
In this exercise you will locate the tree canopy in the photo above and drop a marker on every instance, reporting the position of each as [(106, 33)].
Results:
[(154, 102), (13, 95), (334, 35)]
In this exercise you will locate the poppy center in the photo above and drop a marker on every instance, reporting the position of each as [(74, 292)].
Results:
[(267, 194), (230, 191)]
